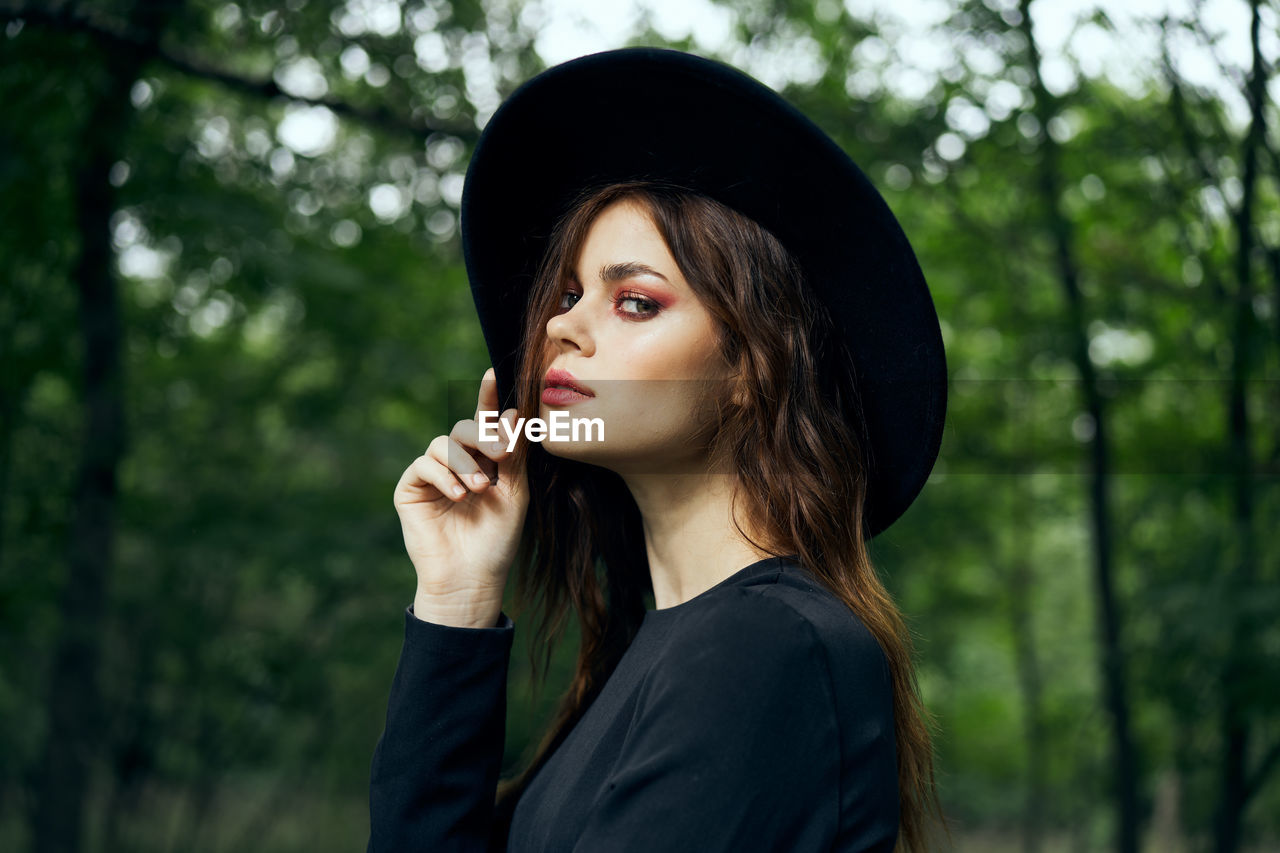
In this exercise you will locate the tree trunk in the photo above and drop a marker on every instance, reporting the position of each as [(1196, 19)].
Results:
[(1021, 612), (1124, 781), (1235, 725), (1021, 584), (75, 701)]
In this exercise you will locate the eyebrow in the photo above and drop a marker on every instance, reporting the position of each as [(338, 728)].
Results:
[(620, 271)]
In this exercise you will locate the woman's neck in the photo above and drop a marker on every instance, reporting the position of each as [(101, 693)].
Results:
[(689, 533)]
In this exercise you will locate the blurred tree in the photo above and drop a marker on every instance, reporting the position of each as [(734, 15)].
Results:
[(275, 209), (1058, 224)]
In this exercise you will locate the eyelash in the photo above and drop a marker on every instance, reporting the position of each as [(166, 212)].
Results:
[(621, 298)]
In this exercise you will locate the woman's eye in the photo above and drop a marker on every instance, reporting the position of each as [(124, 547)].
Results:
[(629, 304), (636, 306)]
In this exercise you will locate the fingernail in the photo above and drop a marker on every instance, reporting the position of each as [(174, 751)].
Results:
[(479, 479), (458, 491)]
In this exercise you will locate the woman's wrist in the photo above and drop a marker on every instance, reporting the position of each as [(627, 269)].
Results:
[(457, 611)]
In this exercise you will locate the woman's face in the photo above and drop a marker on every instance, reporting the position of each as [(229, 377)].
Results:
[(633, 333)]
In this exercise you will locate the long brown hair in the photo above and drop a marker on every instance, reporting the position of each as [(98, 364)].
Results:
[(800, 476)]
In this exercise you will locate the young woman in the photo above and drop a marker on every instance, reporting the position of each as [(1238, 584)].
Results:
[(659, 242)]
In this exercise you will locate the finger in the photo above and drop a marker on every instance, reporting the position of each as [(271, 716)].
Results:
[(464, 466), (489, 436), (467, 433), (426, 479), (488, 398)]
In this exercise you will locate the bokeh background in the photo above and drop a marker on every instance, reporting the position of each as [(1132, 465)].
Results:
[(232, 299)]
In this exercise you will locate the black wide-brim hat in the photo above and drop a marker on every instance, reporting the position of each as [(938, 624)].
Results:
[(654, 113)]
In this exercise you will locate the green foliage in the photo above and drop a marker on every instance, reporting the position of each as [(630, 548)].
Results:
[(293, 319)]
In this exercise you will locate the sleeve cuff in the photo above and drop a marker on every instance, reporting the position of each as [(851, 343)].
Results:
[(451, 639)]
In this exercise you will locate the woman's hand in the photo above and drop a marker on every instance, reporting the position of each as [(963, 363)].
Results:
[(461, 530)]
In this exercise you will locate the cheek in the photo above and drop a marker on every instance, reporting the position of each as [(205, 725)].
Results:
[(684, 350), (676, 374)]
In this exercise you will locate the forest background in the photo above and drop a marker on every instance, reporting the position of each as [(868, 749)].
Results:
[(232, 303)]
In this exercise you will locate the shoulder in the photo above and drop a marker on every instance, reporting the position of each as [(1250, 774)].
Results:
[(789, 627), (754, 640), (741, 617), (853, 650), (739, 665)]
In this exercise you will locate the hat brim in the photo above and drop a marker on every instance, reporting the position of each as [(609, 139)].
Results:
[(643, 112)]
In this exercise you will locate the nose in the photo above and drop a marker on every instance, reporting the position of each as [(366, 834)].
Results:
[(568, 329)]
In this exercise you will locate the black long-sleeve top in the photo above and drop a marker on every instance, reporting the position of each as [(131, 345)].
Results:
[(755, 716)]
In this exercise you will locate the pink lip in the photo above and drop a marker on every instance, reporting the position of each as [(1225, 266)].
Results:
[(561, 396), (562, 380)]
